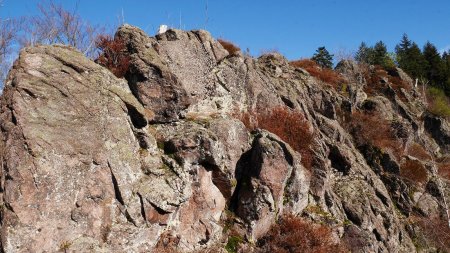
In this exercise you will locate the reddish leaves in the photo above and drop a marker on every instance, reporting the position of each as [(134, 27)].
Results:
[(436, 230), (290, 126), (370, 129), (114, 55), (293, 234), (413, 171), (323, 74), (229, 46)]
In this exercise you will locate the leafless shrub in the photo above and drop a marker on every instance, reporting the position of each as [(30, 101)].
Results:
[(54, 24)]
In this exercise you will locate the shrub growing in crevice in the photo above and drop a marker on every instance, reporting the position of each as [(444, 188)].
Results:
[(438, 102), (418, 151), (435, 230), (229, 46), (368, 129), (293, 234), (113, 55), (378, 79), (444, 170), (290, 126), (413, 171), (324, 74)]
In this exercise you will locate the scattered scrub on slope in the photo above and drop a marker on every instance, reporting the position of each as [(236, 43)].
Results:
[(113, 55), (293, 234), (324, 74), (290, 126)]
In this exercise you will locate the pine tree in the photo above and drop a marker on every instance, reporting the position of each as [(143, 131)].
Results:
[(410, 58), (362, 55), (446, 58), (402, 50), (323, 58), (380, 56), (435, 70)]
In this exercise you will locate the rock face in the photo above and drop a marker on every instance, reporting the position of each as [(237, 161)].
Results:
[(91, 162)]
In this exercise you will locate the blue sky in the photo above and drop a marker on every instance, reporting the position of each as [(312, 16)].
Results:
[(295, 28)]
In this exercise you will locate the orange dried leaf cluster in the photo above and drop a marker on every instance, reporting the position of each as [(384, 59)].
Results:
[(290, 126), (293, 234), (377, 79), (436, 230), (229, 46), (323, 74), (444, 169), (413, 171), (370, 129), (113, 55), (418, 151)]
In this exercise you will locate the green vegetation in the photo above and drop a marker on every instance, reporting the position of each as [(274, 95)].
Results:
[(323, 58), (233, 243), (376, 55), (439, 103)]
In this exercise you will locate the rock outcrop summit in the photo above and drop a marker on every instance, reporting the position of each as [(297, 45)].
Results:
[(162, 159)]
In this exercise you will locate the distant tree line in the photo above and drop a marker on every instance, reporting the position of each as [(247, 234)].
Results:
[(426, 65)]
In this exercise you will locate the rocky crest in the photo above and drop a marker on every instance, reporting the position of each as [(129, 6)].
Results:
[(95, 163)]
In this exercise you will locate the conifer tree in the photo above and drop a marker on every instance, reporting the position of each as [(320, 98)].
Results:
[(380, 56), (323, 58), (435, 70), (410, 58), (363, 53)]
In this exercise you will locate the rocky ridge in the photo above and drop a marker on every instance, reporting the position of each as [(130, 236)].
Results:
[(158, 159)]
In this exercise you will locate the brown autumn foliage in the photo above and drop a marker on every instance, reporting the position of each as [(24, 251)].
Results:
[(376, 81), (444, 169), (418, 151), (294, 235), (413, 171), (369, 129), (290, 126), (436, 230), (113, 55), (323, 74), (229, 46)]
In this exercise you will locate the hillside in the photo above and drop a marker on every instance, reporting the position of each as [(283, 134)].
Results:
[(198, 148)]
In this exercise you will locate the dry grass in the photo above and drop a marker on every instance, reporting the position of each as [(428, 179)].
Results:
[(293, 234), (290, 126), (113, 55), (229, 46), (326, 75)]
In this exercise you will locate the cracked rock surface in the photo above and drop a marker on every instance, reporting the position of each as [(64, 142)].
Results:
[(93, 163)]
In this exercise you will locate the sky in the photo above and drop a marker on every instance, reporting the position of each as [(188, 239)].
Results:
[(294, 28)]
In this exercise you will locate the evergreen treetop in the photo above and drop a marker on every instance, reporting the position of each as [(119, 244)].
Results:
[(323, 58)]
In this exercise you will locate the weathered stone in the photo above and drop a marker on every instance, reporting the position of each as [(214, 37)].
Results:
[(111, 165)]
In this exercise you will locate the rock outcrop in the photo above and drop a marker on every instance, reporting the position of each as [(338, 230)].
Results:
[(95, 163)]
